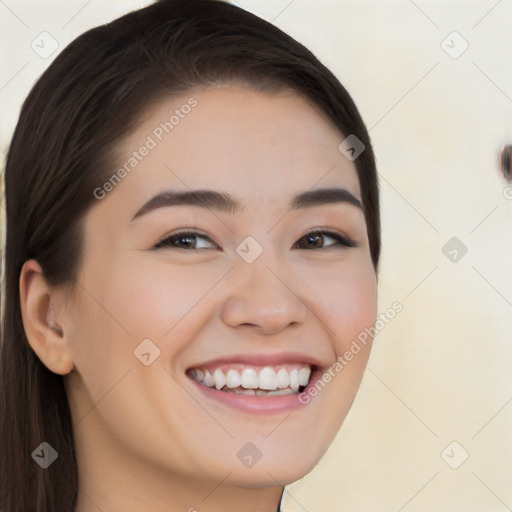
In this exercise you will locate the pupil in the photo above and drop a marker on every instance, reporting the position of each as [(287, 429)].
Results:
[(185, 240), (311, 238)]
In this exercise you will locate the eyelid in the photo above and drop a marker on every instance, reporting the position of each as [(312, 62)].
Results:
[(184, 231), (340, 237)]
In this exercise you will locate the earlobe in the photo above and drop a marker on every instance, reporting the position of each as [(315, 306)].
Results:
[(44, 333)]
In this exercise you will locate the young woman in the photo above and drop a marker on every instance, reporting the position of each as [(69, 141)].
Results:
[(192, 244)]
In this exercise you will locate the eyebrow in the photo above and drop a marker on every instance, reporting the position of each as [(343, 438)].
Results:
[(224, 202)]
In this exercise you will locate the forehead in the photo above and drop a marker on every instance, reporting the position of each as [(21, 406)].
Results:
[(258, 146)]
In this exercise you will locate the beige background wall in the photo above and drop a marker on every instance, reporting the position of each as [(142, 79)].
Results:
[(440, 372)]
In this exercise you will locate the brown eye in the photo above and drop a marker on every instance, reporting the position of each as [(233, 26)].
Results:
[(184, 240), (315, 240)]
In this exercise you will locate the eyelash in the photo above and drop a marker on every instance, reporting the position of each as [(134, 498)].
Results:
[(168, 240)]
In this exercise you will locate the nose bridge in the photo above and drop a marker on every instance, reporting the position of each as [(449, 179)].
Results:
[(262, 295)]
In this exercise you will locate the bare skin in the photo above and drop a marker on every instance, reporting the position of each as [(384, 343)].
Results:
[(148, 437)]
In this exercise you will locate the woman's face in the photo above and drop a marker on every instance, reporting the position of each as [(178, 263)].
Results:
[(250, 296)]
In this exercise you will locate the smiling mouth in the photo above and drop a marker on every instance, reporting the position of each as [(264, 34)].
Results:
[(280, 380)]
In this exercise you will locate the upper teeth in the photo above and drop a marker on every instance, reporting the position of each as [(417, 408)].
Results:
[(269, 378)]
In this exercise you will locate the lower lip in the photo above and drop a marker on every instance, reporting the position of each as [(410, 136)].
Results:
[(257, 404)]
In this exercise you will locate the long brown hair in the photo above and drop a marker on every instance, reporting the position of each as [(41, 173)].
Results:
[(64, 146)]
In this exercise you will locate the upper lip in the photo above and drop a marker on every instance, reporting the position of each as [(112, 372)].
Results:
[(259, 359)]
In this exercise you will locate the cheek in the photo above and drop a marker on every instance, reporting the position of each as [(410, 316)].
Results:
[(347, 308), (154, 299), (145, 297), (119, 305), (159, 300), (348, 304)]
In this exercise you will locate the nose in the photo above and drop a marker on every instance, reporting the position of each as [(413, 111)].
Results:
[(264, 298)]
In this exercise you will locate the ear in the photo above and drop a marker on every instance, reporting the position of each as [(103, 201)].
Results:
[(41, 323)]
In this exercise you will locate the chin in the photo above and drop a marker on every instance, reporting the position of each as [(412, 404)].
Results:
[(269, 477), (279, 469)]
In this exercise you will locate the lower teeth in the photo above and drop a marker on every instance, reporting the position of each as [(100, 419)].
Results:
[(260, 392)]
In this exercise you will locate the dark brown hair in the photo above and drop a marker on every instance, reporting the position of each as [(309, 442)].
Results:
[(64, 146)]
